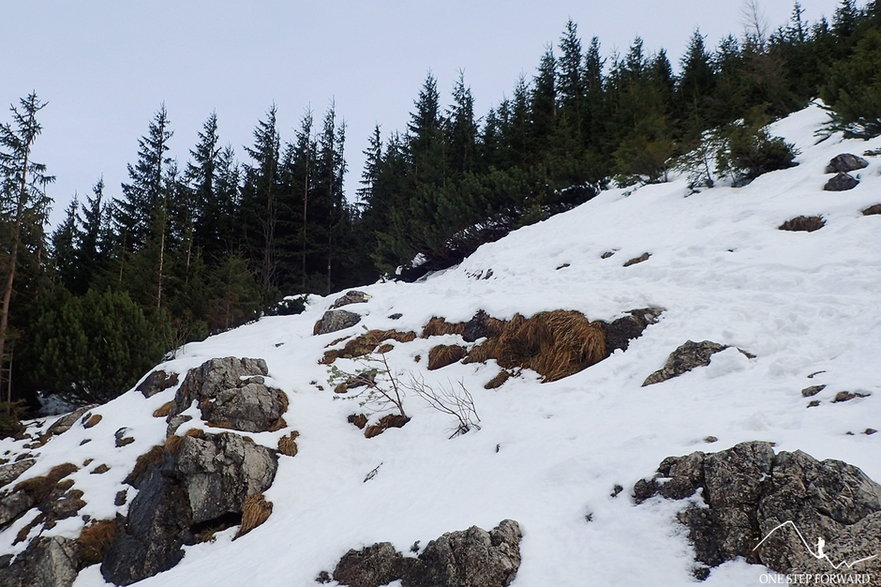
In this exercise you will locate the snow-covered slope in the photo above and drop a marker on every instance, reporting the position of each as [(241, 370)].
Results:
[(549, 454)]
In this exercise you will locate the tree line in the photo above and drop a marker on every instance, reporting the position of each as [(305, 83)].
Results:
[(184, 249)]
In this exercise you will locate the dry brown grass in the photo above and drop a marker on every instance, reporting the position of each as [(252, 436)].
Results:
[(99, 470), (92, 421), (875, 209), (386, 422), (366, 344), (803, 224), (554, 344), (439, 326), (445, 354), (163, 410), (498, 380), (39, 488), (255, 511), (385, 348), (94, 540), (278, 425), (143, 462), (287, 445)]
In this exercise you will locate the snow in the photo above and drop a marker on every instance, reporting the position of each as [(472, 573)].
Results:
[(549, 454)]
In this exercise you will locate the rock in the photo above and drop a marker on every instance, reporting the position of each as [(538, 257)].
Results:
[(12, 471), (334, 320), (812, 390), (468, 558), (642, 258), (846, 396), (755, 497), (47, 562), (841, 183), (846, 162), (197, 483), (231, 394), (13, 505), (685, 358), (620, 332), (157, 382), (371, 566), (350, 297), (481, 325), (66, 422)]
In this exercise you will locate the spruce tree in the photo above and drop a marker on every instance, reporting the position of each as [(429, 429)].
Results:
[(24, 209)]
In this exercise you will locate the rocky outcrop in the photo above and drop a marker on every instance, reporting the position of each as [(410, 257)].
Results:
[(846, 162), (773, 509), (47, 562), (841, 183), (194, 484), (12, 471), (350, 297), (468, 558), (231, 393), (157, 382), (334, 320), (685, 358)]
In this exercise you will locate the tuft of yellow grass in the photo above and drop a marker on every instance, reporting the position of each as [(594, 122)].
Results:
[(287, 445), (255, 511), (445, 354)]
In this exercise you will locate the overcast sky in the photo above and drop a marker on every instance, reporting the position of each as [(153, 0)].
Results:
[(105, 66)]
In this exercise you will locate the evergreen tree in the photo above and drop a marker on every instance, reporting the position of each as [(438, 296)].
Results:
[(23, 211), (93, 239), (143, 194), (209, 206), (65, 241), (461, 128), (260, 203)]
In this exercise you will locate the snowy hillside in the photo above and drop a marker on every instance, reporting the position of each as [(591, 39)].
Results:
[(548, 454)]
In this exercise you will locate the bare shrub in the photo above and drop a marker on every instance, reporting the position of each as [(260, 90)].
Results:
[(455, 401)]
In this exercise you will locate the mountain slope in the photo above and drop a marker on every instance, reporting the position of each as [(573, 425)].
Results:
[(549, 454)]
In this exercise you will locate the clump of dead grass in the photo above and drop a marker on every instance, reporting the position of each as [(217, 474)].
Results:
[(803, 224), (94, 540), (287, 445), (445, 354), (92, 421), (439, 326), (554, 344), (163, 410), (366, 344), (255, 511), (143, 462), (498, 380), (871, 210), (40, 487)]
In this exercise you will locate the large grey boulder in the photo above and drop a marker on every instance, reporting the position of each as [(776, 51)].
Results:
[(774, 509), (846, 162), (47, 562), (334, 320), (841, 183), (685, 358), (196, 483), (467, 558), (231, 393)]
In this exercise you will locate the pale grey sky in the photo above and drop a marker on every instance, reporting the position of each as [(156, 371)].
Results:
[(105, 66)]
